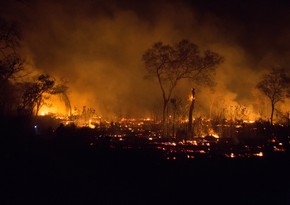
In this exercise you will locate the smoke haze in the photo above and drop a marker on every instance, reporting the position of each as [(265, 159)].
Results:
[(97, 47)]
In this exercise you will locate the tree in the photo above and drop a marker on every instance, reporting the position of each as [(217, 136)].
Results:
[(35, 93), (189, 131), (275, 86), (170, 64), (62, 90), (10, 63)]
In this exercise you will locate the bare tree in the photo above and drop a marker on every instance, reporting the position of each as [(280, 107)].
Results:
[(170, 64), (275, 86)]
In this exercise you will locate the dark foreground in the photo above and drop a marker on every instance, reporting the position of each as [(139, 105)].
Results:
[(40, 173)]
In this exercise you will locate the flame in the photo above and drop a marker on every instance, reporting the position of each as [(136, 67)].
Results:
[(54, 106), (260, 154), (215, 136), (91, 125), (249, 121), (44, 110), (190, 98), (212, 133)]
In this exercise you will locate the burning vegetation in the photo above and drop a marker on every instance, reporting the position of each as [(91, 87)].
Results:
[(148, 102), (104, 91)]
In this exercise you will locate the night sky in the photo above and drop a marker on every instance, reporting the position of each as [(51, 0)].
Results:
[(97, 47)]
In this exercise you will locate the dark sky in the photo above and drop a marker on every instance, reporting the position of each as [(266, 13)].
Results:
[(97, 46), (258, 24)]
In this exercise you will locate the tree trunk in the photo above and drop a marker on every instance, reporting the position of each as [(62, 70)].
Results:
[(173, 122), (164, 117), (272, 113), (38, 105), (189, 131), (67, 103)]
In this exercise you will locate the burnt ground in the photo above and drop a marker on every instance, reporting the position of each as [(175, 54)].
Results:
[(43, 172)]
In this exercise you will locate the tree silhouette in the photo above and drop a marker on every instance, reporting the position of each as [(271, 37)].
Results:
[(36, 92), (61, 90), (10, 64), (189, 131), (275, 86), (10, 61), (170, 64)]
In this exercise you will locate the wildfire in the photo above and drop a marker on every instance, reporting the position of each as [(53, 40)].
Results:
[(249, 121), (47, 111), (44, 111), (215, 136), (212, 133), (191, 98), (92, 126), (53, 106)]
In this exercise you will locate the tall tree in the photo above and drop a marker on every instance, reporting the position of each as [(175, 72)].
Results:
[(62, 91), (275, 86), (10, 60), (189, 131), (11, 63), (172, 63), (36, 92)]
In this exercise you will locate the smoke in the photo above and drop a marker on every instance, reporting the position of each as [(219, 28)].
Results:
[(97, 47)]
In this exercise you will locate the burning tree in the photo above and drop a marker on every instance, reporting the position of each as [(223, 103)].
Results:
[(189, 131), (170, 64), (62, 91), (275, 86), (35, 93)]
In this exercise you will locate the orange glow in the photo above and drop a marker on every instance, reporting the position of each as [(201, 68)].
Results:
[(44, 110), (91, 125), (191, 98), (54, 106), (260, 154), (232, 155), (215, 136), (249, 121)]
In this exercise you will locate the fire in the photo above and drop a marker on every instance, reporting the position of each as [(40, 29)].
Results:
[(260, 154), (53, 106), (215, 136), (91, 125), (190, 98), (44, 110), (249, 121), (212, 133)]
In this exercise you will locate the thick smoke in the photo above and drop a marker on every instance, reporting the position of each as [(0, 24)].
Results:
[(97, 47)]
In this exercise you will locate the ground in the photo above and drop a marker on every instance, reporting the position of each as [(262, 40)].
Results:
[(43, 173)]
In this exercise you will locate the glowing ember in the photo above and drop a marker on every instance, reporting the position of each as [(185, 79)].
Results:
[(190, 98), (215, 136), (260, 154), (249, 121)]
